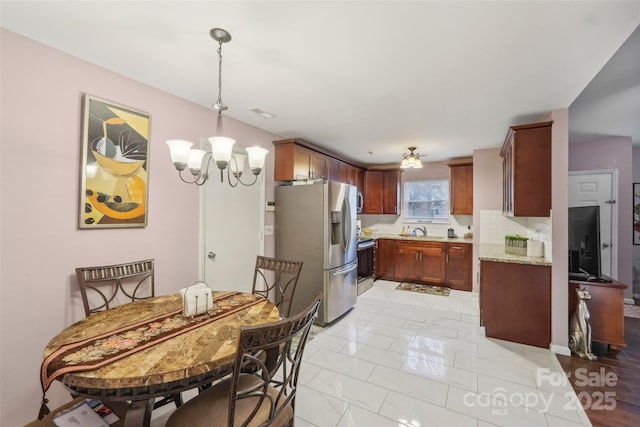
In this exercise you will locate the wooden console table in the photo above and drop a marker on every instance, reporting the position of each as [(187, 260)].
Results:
[(606, 308)]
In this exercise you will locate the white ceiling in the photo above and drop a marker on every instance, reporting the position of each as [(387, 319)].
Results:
[(367, 77)]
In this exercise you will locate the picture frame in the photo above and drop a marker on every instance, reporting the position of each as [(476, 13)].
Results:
[(115, 165), (636, 213)]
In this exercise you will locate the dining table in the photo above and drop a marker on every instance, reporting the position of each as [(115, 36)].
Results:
[(129, 355)]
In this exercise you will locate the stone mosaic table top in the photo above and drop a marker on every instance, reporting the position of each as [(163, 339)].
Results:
[(191, 354)]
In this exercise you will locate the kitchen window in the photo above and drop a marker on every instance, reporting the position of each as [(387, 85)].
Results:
[(427, 200)]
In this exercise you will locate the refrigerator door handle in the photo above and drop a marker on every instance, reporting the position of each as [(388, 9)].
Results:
[(345, 270)]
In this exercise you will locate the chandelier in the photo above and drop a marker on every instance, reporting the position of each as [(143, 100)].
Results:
[(411, 160), (222, 150)]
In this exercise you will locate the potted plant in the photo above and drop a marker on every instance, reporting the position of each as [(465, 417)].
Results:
[(515, 245)]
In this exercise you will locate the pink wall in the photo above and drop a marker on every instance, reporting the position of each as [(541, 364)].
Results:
[(41, 244), (612, 153), (487, 195)]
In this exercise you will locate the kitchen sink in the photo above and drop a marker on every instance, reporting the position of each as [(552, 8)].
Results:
[(423, 237)]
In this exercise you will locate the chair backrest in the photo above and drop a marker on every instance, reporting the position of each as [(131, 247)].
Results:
[(278, 277), (103, 287), (274, 378)]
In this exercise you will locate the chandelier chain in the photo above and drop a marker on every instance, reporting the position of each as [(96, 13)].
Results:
[(219, 75)]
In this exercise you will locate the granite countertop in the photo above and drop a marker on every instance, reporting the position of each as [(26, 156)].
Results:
[(495, 252), (419, 238)]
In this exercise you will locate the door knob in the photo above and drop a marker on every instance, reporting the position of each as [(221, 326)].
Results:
[(211, 255), (605, 245)]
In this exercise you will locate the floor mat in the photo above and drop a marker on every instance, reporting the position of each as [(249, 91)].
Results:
[(424, 289)]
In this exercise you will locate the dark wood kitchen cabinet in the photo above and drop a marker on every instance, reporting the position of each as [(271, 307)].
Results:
[(458, 266), (461, 188), (526, 166), (334, 169), (297, 159), (296, 162), (606, 310), (360, 179), (384, 258), (381, 192), (515, 302), (419, 261)]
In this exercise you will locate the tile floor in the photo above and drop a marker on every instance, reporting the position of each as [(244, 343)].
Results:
[(406, 359)]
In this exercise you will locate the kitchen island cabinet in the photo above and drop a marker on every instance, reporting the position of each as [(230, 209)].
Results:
[(515, 302)]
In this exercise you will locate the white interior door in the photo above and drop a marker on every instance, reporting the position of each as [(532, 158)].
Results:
[(597, 188), (233, 220)]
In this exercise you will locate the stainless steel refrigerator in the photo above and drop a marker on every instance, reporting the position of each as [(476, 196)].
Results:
[(316, 224)]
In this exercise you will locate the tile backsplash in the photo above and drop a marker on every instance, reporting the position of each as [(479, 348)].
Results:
[(389, 224), (494, 226)]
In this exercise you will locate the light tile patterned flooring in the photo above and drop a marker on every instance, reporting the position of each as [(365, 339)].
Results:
[(406, 359)]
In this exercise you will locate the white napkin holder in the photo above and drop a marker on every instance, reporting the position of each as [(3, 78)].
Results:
[(196, 299)]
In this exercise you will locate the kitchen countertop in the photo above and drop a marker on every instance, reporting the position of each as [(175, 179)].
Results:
[(419, 238), (495, 252)]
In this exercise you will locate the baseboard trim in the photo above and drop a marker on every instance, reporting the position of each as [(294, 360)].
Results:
[(560, 349), (629, 301)]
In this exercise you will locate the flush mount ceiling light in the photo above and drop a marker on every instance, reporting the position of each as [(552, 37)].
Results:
[(411, 160), (222, 152)]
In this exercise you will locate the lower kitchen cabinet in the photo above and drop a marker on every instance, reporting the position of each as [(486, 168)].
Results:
[(419, 261), (458, 266), (384, 259), (443, 263), (515, 302)]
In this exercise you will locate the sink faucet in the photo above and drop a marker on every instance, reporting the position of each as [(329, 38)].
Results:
[(423, 229)]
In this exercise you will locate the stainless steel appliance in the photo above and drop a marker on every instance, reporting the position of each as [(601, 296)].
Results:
[(366, 251), (359, 202), (316, 224)]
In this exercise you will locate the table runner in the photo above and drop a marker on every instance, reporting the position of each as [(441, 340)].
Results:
[(100, 350)]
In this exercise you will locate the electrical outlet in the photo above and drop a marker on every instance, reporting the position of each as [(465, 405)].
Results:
[(268, 230)]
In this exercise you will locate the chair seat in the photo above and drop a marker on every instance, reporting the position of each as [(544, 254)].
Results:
[(211, 407)]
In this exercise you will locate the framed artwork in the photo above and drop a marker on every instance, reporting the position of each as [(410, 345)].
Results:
[(115, 165), (636, 213)]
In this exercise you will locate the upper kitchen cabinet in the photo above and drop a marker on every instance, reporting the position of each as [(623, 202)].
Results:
[(526, 164), (461, 188), (297, 159), (381, 192), (297, 162)]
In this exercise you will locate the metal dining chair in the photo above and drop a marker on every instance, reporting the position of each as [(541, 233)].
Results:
[(106, 286), (250, 396), (279, 278)]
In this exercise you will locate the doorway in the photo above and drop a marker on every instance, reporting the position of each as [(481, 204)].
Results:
[(599, 187), (232, 221)]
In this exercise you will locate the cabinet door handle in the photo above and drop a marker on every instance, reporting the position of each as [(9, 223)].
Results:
[(446, 257)]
